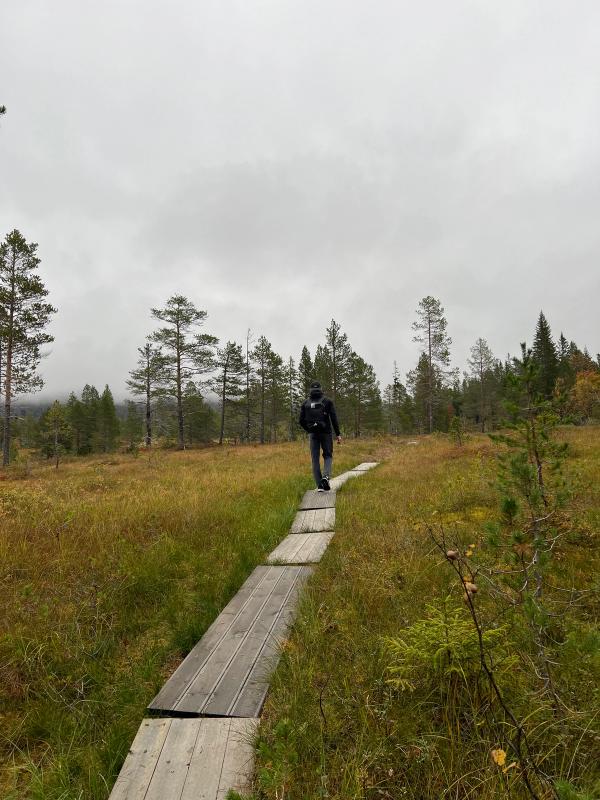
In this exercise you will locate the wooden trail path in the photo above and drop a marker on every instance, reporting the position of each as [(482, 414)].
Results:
[(199, 742)]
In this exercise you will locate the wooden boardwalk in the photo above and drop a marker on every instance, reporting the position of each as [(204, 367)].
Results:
[(199, 742), (187, 759), (314, 499), (301, 548), (319, 519), (227, 673)]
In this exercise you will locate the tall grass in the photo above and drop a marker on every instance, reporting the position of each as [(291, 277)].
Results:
[(350, 716), (111, 571)]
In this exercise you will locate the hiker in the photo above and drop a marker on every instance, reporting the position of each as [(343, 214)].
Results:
[(317, 416)]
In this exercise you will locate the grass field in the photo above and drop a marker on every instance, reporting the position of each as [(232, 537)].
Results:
[(113, 568), (111, 571), (336, 727)]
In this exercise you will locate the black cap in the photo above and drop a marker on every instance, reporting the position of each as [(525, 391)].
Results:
[(315, 385)]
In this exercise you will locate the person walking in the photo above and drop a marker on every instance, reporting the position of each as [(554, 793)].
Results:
[(318, 417)]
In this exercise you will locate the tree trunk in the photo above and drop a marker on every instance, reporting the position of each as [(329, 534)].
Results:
[(430, 388), (7, 392), (181, 443), (262, 408), (223, 405), (148, 395), (248, 386)]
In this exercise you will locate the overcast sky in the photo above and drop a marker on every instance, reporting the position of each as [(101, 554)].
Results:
[(283, 162)]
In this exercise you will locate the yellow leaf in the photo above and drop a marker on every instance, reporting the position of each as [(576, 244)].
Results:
[(499, 757), (469, 553)]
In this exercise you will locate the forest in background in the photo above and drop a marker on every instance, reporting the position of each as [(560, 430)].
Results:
[(187, 388)]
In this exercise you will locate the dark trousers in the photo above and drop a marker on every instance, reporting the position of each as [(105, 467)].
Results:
[(318, 442)]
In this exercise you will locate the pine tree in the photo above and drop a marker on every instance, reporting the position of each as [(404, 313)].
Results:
[(305, 371), (430, 330), (147, 381), (231, 366), (108, 422), (481, 364), (189, 353), (545, 357), (23, 317)]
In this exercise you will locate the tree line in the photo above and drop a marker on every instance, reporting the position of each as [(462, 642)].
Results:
[(187, 387)]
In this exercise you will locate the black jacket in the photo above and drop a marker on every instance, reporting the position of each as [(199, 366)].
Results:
[(329, 408)]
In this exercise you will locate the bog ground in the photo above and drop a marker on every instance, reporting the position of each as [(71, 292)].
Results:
[(112, 569)]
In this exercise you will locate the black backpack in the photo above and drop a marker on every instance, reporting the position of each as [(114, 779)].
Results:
[(317, 420)]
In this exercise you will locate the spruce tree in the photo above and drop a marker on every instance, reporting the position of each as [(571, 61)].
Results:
[(230, 367), (322, 368), (294, 395), (340, 354), (90, 405), (398, 405), (305, 372), (276, 392), (545, 357), (23, 317), (430, 331), (55, 432), (261, 356), (132, 426), (363, 394), (108, 422), (189, 353), (147, 379), (248, 380), (76, 419)]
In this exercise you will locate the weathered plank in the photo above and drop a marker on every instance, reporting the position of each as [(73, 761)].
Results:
[(301, 548), (187, 759), (227, 672), (320, 519), (339, 480), (365, 466), (314, 499)]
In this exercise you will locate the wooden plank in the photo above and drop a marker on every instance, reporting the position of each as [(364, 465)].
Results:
[(206, 767), (301, 548), (238, 764), (315, 499), (254, 586), (320, 519), (139, 766), (365, 466), (226, 692), (170, 775), (188, 759), (219, 670)]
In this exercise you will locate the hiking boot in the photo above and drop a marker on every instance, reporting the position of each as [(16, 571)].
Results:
[(325, 483)]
